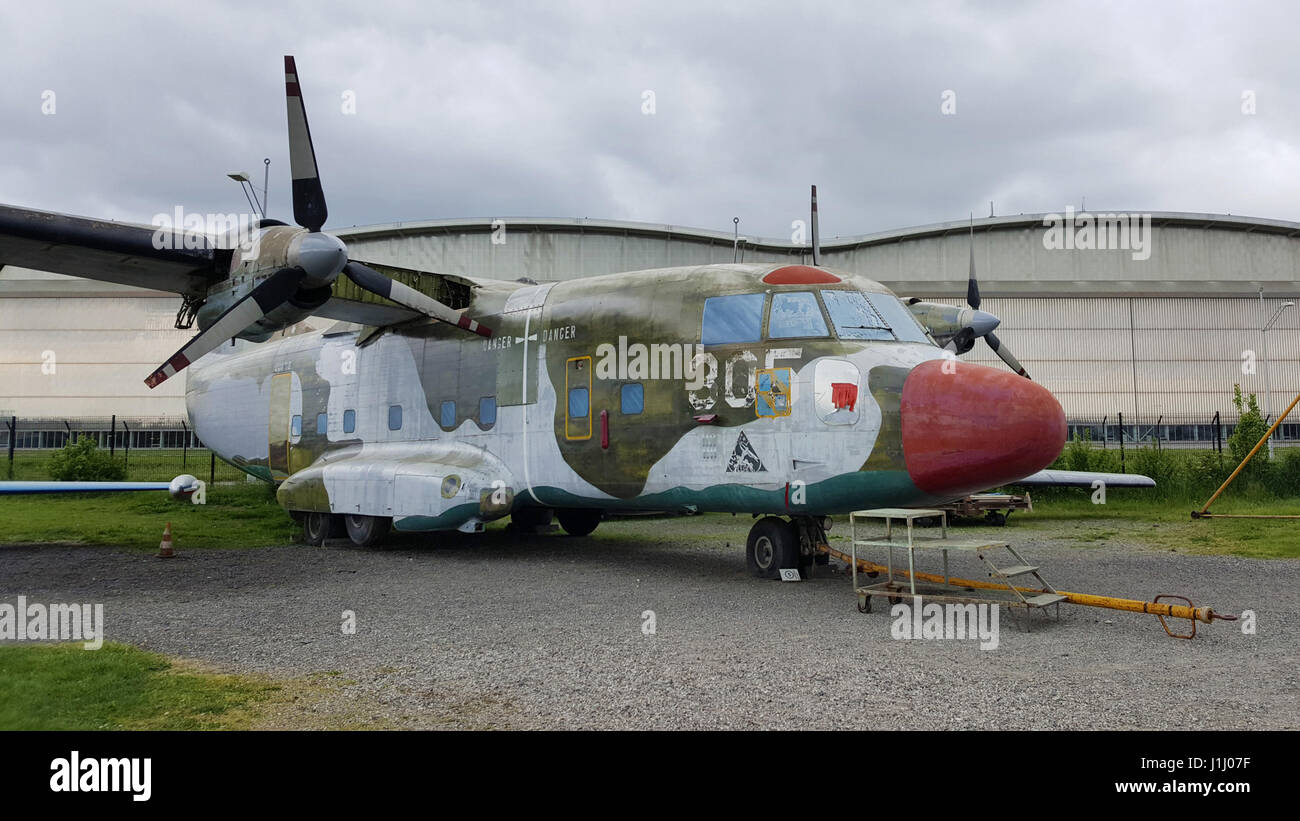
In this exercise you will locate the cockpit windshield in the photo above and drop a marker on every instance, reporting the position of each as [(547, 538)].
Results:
[(871, 316)]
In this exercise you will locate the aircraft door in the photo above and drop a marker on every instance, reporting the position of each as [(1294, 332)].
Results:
[(281, 426), (577, 392)]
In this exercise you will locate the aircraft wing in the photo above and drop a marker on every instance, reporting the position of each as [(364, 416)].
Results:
[(1084, 478), (7, 488), (107, 251)]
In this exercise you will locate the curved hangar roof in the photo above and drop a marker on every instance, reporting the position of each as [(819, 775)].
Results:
[(1151, 254)]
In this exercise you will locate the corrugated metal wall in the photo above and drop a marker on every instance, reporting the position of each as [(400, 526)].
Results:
[(1106, 333), (1169, 356)]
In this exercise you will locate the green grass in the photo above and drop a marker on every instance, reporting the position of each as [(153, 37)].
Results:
[(152, 465), (1167, 524), (235, 516), (66, 687)]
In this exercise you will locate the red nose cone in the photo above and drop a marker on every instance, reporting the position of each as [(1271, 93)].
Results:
[(967, 428)]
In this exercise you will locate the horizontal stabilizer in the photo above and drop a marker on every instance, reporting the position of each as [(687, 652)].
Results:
[(78, 487)]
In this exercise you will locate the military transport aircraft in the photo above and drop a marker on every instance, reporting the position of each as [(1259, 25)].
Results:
[(439, 402)]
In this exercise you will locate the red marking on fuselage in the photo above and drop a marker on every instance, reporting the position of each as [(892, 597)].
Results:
[(800, 275), (844, 395)]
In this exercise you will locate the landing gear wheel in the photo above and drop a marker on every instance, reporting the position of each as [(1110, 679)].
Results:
[(995, 518), (772, 546), (578, 521), (367, 531), (315, 528)]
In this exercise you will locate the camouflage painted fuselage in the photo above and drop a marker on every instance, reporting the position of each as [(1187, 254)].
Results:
[(611, 392)]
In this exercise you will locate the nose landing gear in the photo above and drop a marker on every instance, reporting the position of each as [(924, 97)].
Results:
[(775, 544)]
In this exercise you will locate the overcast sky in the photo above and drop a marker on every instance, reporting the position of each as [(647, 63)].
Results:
[(499, 109)]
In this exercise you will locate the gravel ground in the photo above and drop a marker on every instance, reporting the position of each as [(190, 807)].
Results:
[(546, 632)]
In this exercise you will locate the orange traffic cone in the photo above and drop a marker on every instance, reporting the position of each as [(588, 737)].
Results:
[(165, 549)]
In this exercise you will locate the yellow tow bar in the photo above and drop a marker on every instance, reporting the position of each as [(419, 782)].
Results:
[(1155, 608)]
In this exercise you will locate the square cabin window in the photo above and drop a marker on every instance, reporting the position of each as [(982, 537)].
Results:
[(631, 398), (578, 403), (394, 417), (447, 414), (295, 427), (487, 411), (322, 422), (795, 315), (737, 318), (349, 421)]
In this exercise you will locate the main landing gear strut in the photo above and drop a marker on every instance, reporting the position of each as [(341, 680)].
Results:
[(775, 544)]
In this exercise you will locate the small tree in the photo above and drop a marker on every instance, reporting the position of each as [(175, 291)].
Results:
[(83, 461), (1250, 429)]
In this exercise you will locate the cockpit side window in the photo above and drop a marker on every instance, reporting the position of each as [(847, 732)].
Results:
[(795, 315), (736, 318), (871, 316)]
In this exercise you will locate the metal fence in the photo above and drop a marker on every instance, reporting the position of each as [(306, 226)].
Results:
[(1207, 431), (151, 449), (159, 448)]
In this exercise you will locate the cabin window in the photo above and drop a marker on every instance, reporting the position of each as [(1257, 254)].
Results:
[(394, 417), (487, 411), (322, 422), (737, 318), (631, 398), (447, 414), (795, 315), (578, 403), (875, 316), (349, 421), (295, 426)]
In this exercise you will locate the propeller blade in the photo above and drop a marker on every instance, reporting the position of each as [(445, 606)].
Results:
[(406, 296), (972, 287), (273, 292), (309, 209), (1005, 352)]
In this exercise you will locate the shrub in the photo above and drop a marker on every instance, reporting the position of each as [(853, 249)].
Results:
[(82, 461), (1077, 453), (1250, 429), (1206, 471), (1155, 462), (1287, 475)]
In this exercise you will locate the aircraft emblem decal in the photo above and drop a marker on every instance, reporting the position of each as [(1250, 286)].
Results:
[(744, 459)]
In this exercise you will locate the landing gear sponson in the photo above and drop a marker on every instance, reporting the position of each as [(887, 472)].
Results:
[(364, 531), (368, 531)]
